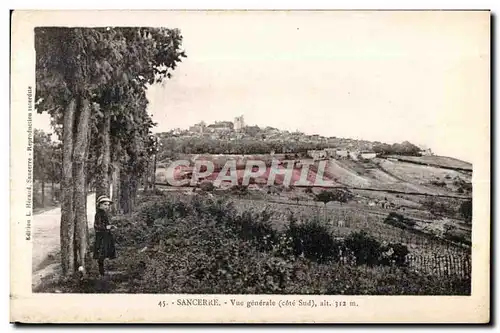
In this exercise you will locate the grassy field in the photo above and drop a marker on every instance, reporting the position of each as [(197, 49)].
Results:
[(397, 176), (369, 175), (443, 161), (427, 177)]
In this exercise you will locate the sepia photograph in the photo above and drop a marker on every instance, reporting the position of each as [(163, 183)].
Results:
[(308, 162)]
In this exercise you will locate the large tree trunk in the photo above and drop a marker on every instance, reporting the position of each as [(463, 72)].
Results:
[(115, 179), (87, 152), (135, 178), (133, 191), (87, 236), (103, 158), (67, 217), (79, 159), (43, 192), (124, 193)]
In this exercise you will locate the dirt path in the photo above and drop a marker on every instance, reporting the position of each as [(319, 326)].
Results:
[(46, 242)]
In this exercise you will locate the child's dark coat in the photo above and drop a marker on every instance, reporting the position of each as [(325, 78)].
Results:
[(104, 246)]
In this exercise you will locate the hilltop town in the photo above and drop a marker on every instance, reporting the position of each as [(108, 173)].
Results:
[(316, 146)]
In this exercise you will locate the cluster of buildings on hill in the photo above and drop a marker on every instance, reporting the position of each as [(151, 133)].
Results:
[(238, 129), (218, 127)]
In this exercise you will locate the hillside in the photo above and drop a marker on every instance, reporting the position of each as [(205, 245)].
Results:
[(408, 202), (384, 174), (437, 161), (378, 173)]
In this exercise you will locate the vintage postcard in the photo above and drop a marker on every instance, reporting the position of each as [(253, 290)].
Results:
[(250, 166)]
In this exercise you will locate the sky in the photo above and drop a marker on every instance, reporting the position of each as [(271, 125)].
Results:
[(381, 76)]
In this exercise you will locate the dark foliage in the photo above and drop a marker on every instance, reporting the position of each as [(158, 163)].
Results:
[(313, 240), (339, 195), (202, 245), (207, 186), (364, 247), (394, 254), (466, 210), (399, 221)]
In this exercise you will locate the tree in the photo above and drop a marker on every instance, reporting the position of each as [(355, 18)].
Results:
[(408, 148), (339, 195), (55, 167), (82, 77), (146, 56), (383, 148), (47, 156), (41, 159), (324, 197), (130, 159)]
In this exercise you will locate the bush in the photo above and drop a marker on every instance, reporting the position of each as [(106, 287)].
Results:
[(239, 189), (446, 207), (438, 183), (334, 195), (399, 221), (457, 238), (130, 231), (313, 240), (394, 253), (236, 268), (364, 247), (466, 210), (256, 228), (207, 186), (150, 211), (221, 210), (463, 185)]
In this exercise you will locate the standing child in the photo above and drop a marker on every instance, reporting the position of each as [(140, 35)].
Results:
[(104, 246)]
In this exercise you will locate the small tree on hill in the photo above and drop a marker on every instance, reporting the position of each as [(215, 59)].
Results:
[(325, 197), (339, 195)]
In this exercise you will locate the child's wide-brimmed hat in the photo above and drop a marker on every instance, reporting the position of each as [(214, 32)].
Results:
[(102, 199)]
